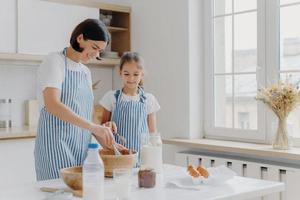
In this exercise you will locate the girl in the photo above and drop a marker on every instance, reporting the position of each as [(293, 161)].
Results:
[(66, 98), (130, 111)]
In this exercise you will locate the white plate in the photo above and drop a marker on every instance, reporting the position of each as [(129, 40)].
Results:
[(217, 175)]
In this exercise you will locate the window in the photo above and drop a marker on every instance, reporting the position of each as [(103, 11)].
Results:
[(250, 44), (236, 29), (243, 120)]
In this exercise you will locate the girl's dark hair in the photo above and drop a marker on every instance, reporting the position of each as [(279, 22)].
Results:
[(128, 57), (91, 29)]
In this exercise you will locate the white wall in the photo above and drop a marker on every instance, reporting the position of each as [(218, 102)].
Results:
[(45, 27), (104, 74), (170, 45), (160, 34), (19, 84), (196, 70)]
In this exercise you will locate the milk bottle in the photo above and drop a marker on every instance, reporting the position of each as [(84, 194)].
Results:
[(93, 175)]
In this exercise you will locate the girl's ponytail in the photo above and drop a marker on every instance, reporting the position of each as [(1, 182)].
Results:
[(132, 57), (141, 83)]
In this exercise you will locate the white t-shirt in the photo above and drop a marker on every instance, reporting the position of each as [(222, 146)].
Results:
[(109, 101), (51, 73)]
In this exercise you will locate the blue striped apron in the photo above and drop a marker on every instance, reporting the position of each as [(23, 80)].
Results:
[(60, 144), (131, 119)]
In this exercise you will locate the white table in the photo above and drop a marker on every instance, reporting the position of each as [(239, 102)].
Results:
[(237, 188)]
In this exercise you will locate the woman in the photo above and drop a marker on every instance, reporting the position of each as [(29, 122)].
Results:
[(65, 93)]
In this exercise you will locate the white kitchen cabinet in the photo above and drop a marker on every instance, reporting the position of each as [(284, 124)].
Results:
[(46, 26), (8, 26), (17, 163)]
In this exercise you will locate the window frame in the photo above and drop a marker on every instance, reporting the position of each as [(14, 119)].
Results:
[(263, 60), (296, 140), (268, 73)]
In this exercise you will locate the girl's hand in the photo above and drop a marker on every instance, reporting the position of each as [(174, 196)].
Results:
[(103, 135), (112, 125), (120, 147)]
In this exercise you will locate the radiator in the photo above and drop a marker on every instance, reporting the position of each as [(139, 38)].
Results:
[(290, 176)]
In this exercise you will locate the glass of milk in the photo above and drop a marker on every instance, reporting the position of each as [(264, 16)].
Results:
[(151, 152), (122, 183)]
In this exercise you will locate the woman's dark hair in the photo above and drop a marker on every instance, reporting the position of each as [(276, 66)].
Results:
[(128, 57), (91, 29)]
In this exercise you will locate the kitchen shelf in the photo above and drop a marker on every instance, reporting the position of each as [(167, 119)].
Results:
[(120, 24), (32, 59), (113, 29), (24, 58), (95, 4), (106, 61), (17, 133)]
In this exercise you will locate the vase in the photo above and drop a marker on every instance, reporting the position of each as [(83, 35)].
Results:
[(282, 140)]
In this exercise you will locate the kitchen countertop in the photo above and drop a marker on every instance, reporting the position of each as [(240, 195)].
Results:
[(237, 188)]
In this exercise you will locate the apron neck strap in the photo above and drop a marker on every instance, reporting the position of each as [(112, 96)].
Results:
[(141, 93), (65, 55)]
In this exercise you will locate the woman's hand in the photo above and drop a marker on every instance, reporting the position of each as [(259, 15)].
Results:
[(112, 125), (103, 135)]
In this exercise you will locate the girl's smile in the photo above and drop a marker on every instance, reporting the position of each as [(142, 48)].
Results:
[(131, 75)]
